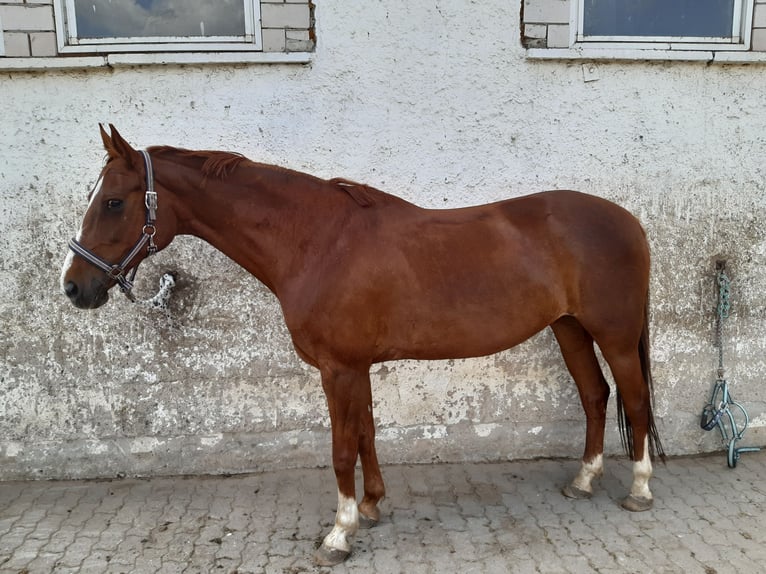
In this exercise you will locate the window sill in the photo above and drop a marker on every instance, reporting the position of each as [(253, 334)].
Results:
[(153, 59), (711, 56)]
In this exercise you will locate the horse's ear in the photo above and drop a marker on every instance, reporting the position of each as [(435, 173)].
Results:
[(108, 144), (118, 147)]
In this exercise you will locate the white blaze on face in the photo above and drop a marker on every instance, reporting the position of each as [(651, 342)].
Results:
[(70, 255), (67, 264), (346, 524)]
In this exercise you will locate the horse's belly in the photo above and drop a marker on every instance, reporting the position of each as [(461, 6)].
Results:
[(462, 335)]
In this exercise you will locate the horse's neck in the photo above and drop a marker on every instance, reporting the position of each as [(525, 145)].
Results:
[(265, 222)]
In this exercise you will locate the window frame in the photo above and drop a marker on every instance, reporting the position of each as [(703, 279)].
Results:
[(742, 24), (68, 43), (2, 40)]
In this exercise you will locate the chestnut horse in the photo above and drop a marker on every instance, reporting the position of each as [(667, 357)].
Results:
[(363, 277)]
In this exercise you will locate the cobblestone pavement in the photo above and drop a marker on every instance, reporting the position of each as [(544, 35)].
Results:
[(464, 518)]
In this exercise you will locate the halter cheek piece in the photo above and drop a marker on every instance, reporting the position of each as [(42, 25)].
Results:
[(118, 271)]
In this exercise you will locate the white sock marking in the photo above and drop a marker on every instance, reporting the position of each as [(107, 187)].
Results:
[(346, 524), (588, 471), (642, 472)]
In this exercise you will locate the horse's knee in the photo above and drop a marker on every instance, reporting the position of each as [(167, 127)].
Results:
[(343, 459)]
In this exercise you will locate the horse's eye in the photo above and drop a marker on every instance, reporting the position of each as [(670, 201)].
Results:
[(113, 204)]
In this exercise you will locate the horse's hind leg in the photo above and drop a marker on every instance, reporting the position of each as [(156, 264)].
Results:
[(635, 397), (580, 358)]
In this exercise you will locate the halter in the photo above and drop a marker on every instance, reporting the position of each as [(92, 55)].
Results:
[(118, 272)]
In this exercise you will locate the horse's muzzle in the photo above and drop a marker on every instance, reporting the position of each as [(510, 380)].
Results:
[(90, 297)]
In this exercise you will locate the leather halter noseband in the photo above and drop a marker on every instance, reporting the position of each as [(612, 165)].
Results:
[(118, 271)]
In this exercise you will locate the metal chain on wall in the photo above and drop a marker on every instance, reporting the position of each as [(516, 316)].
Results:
[(717, 413)]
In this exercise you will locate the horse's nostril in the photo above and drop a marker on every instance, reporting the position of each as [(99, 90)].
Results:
[(71, 289)]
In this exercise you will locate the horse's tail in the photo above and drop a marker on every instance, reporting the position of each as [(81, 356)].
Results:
[(626, 430)]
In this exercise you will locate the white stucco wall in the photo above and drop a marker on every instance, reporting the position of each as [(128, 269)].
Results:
[(434, 101)]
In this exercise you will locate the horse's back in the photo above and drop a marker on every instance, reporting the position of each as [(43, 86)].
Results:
[(571, 213), (561, 231), (561, 253), (420, 283), (601, 255)]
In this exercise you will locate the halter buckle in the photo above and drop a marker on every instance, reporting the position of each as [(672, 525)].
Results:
[(116, 272), (150, 201)]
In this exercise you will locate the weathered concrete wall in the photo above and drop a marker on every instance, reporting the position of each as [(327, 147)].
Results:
[(434, 101)]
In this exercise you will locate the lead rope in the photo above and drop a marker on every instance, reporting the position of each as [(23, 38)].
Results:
[(717, 413), (161, 300)]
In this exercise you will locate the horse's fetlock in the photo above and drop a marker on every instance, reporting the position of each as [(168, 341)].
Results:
[(369, 509)]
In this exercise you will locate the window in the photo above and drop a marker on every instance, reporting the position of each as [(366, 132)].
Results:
[(688, 30), (2, 43), (664, 24), (103, 26)]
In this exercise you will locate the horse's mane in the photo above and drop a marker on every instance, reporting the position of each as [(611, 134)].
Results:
[(220, 164)]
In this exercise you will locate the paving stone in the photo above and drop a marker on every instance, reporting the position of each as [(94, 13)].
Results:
[(483, 518)]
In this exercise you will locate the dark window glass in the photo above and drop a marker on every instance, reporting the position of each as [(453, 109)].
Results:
[(154, 18), (704, 18)]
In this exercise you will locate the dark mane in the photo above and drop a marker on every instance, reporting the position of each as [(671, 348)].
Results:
[(218, 164)]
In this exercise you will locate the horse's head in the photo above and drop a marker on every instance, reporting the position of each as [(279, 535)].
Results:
[(118, 230)]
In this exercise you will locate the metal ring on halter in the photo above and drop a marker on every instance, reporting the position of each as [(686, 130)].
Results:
[(116, 272)]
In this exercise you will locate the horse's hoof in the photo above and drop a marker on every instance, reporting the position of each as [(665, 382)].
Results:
[(325, 556), (571, 491), (365, 522), (637, 503), (368, 520)]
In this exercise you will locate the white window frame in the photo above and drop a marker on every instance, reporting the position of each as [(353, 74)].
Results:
[(69, 43), (2, 41), (742, 24)]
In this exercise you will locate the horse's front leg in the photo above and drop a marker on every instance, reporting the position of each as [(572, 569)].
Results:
[(346, 391), (374, 489)]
